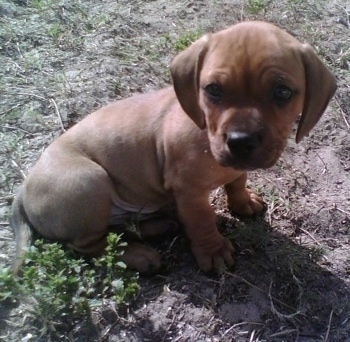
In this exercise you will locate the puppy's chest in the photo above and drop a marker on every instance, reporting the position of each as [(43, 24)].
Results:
[(218, 179)]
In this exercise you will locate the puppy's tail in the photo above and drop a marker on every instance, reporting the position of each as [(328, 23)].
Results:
[(23, 232)]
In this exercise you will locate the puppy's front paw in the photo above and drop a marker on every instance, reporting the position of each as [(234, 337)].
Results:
[(141, 258), (216, 258), (247, 204)]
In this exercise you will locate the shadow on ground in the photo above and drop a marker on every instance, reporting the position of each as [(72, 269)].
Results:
[(276, 292)]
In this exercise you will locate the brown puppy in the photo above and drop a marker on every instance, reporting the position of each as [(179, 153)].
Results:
[(237, 94)]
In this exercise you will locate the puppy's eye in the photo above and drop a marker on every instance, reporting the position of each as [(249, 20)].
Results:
[(282, 94), (214, 92)]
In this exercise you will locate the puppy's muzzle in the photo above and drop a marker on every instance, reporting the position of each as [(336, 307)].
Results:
[(242, 144), (247, 150)]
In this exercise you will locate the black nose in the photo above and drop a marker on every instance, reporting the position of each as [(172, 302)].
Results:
[(242, 142)]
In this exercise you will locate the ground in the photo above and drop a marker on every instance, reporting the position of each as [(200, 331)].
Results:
[(60, 60)]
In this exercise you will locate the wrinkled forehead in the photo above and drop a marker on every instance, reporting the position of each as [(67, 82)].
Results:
[(251, 47)]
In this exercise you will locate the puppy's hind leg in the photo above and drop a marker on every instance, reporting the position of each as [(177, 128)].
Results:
[(137, 254), (69, 200), (90, 207), (142, 258)]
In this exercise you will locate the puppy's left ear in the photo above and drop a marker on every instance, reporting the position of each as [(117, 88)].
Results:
[(185, 70), (320, 88)]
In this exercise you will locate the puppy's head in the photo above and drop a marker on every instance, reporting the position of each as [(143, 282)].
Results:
[(247, 85)]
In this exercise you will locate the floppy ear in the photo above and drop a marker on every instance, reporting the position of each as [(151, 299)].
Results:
[(320, 88), (185, 70)]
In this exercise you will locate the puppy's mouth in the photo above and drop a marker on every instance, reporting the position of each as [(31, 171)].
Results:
[(245, 164), (246, 151)]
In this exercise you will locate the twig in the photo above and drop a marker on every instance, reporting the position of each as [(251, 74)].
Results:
[(329, 326), (324, 164), (242, 13), (7, 198), (341, 210), (214, 196), (19, 169), (284, 333), (10, 109), (228, 330), (33, 95), (16, 129), (310, 235), (259, 289), (251, 339), (17, 66), (271, 209), (19, 50), (342, 113), (346, 12), (275, 311), (246, 323), (238, 325), (117, 321), (173, 242), (58, 114), (169, 326)]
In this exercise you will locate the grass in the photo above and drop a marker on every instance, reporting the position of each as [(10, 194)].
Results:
[(186, 39), (249, 234), (62, 287), (255, 6)]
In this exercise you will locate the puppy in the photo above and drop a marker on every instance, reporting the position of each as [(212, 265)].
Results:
[(235, 96)]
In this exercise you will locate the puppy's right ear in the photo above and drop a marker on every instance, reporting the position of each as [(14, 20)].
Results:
[(185, 70)]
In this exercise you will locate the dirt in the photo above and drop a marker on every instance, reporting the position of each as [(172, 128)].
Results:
[(60, 60)]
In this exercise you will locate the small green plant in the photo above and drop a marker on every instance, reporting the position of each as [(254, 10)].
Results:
[(186, 40), (255, 6), (316, 253), (119, 283), (64, 287), (33, 61), (52, 277), (9, 287), (41, 4), (55, 30)]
